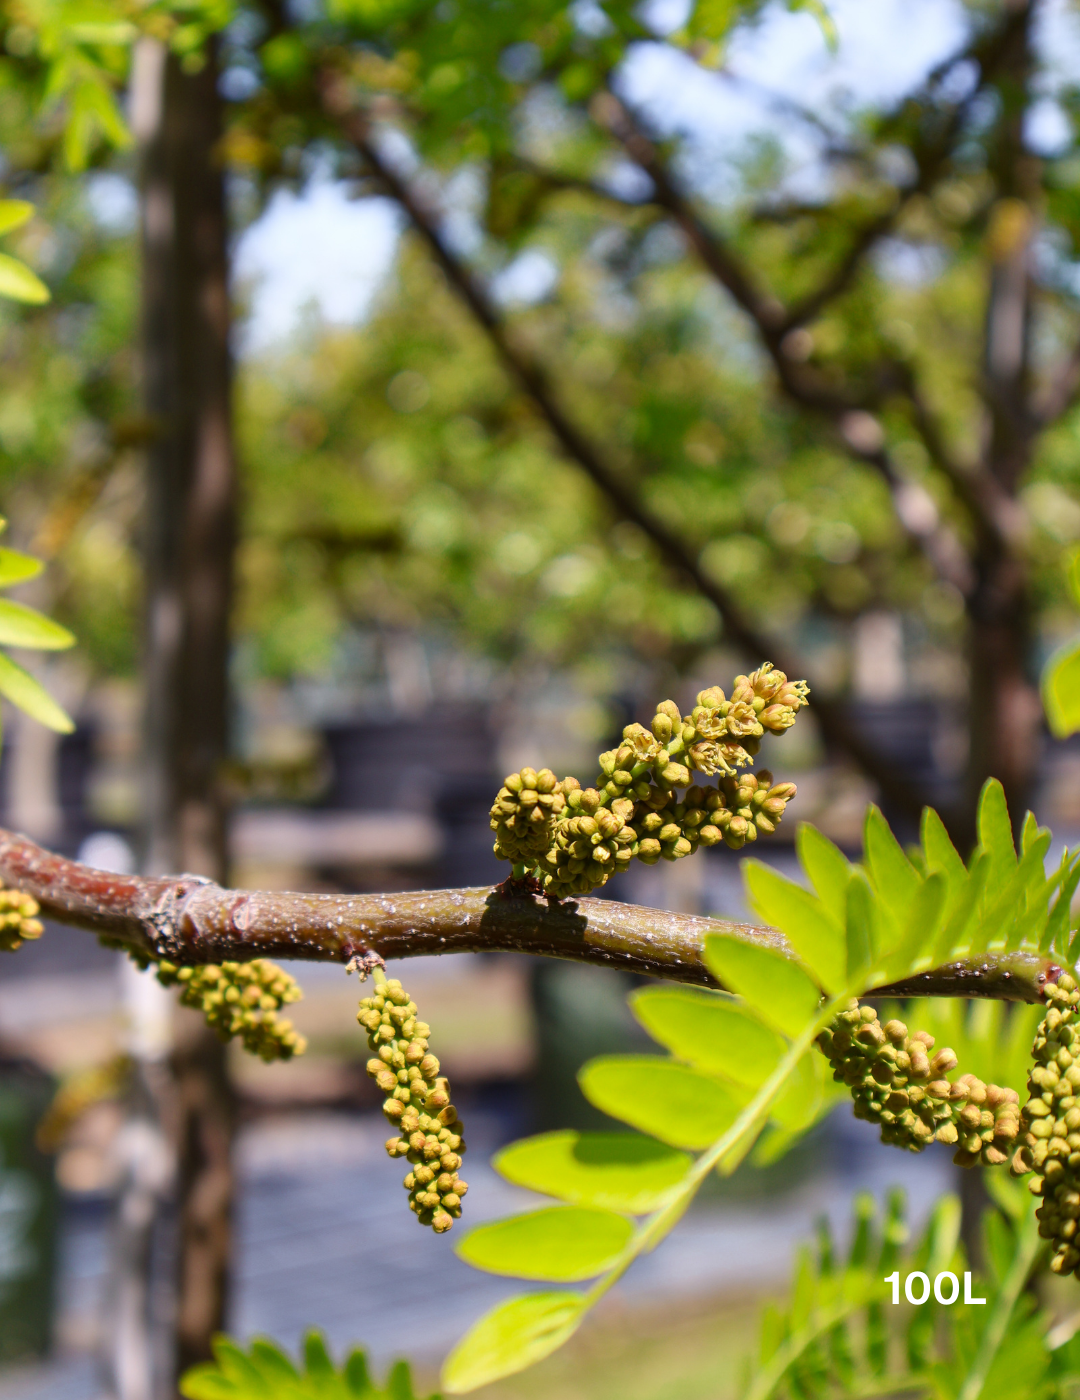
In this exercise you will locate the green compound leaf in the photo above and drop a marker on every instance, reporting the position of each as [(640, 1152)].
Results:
[(828, 868), (615, 1171), (711, 1031), (559, 1244), (803, 920), (16, 567), (1061, 690), (266, 1373), (995, 835), (511, 1337), (19, 283), (679, 1105), (22, 689), (773, 986), (21, 626)]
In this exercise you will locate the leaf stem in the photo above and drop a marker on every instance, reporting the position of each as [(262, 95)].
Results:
[(1028, 1244), (742, 1132)]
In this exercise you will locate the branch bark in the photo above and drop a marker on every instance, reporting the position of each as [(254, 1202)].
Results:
[(190, 920)]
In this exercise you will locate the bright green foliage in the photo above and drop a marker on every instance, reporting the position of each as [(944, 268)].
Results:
[(560, 1244), (21, 626), (511, 1337), (16, 279), (617, 1171), (679, 1105), (264, 1372), (905, 913), (1061, 678), (741, 1070), (80, 52), (841, 1335), (714, 1033), (769, 982)]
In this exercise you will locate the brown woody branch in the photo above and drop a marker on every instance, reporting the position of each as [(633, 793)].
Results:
[(801, 383), (832, 718), (192, 921)]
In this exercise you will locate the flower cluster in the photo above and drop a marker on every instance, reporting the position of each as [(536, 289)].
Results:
[(1050, 1122), (241, 999), (896, 1081), (19, 923), (418, 1103), (575, 839)]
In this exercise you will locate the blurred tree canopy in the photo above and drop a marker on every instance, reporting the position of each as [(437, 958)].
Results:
[(827, 370)]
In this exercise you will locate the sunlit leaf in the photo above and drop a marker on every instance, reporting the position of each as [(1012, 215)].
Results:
[(559, 1244), (803, 920), (709, 1030), (996, 837), (17, 568), (616, 1171), (895, 879), (19, 283), (828, 869), (514, 1335), (774, 986), (1061, 691), (21, 626), (679, 1105), (13, 213), (21, 688)]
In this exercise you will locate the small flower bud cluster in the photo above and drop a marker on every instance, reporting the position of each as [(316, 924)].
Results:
[(524, 815), (241, 999), (576, 839), (1050, 1125), (897, 1081), (418, 1103), (18, 921)]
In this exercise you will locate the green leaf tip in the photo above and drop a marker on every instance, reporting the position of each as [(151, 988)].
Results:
[(511, 1337)]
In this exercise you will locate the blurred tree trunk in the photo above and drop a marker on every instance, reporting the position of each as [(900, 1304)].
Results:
[(189, 539)]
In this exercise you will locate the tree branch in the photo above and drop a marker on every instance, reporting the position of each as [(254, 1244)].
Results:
[(834, 720), (775, 326), (192, 921)]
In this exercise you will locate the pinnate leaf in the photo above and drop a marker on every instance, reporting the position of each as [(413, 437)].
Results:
[(772, 985), (679, 1105), (266, 1373), (514, 1335), (21, 688), (711, 1031), (616, 1171), (802, 918), (21, 626), (559, 1244)]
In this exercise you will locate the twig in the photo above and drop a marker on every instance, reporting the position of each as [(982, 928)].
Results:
[(193, 921)]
